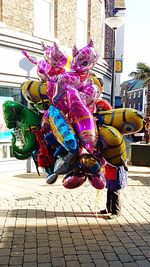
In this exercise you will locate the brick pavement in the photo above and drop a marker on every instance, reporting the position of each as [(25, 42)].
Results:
[(47, 225)]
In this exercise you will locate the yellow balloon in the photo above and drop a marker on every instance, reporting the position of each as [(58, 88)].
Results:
[(68, 64), (97, 81)]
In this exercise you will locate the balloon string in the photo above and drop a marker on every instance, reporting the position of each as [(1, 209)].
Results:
[(97, 201)]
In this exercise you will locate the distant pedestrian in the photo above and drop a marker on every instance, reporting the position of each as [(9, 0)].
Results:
[(116, 179)]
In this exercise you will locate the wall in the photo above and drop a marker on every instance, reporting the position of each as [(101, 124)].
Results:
[(18, 15), (65, 22)]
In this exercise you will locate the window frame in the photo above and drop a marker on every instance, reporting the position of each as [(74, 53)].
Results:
[(50, 30), (78, 18)]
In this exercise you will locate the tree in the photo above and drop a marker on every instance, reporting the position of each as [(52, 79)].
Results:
[(143, 73)]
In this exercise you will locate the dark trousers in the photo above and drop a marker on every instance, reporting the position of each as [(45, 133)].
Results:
[(113, 203)]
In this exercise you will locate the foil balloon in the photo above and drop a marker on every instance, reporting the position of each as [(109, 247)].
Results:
[(35, 92), (89, 94), (125, 120), (55, 57), (65, 163), (96, 80), (84, 58), (54, 62), (83, 121), (45, 125), (15, 113), (74, 180), (97, 181), (102, 104), (89, 164), (65, 82), (62, 130), (54, 144), (112, 145), (68, 64)]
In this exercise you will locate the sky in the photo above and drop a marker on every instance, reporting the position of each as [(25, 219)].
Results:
[(137, 36)]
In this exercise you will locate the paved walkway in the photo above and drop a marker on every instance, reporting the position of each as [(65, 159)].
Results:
[(47, 225)]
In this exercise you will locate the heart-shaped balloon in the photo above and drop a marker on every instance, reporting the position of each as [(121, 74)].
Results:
[(74, 180), (97, 181)]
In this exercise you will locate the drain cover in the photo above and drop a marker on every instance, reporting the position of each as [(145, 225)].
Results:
[(24, 198)]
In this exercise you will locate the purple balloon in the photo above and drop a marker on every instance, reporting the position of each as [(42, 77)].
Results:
[(73, 180)]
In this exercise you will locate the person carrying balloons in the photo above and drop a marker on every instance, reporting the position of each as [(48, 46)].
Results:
[(116, 179)]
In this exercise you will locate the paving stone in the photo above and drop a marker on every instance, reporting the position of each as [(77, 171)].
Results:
[(84, 258), (143, 263), (130, 264), (100, 262), (30, 257), (4, 252), (44, 258), (115, 264), (96, 255), (110, 256), (73, 264), (125, 258), (33, 264), (58, 262), (4, 260), (15, 260)]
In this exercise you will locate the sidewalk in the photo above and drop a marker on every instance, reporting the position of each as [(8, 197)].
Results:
[(47, 225)]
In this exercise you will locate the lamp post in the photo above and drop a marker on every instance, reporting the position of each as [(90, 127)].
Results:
[(114, 23)]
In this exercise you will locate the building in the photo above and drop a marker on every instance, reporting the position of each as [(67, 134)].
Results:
[(134, 95)]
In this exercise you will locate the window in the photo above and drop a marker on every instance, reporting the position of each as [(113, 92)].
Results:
[(129, 95), (134, 94), (139, 106), (139, 93), (82, 17), (44, 18), (12, 92), (134, 105)]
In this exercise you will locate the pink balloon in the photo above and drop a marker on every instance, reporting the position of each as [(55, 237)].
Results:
[(89, 93), (82, 120), (84, 58), (45, 125), (97, 181)]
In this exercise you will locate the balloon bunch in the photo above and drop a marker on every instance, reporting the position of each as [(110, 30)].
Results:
[(76, 132)]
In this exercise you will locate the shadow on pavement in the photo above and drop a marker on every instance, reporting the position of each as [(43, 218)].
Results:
[(36, 238), (144, 180), (40, 214)]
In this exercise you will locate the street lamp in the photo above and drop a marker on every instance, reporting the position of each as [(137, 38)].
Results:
[(114, 23)]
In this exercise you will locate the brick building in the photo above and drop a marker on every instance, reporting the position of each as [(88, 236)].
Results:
[(134, 95)]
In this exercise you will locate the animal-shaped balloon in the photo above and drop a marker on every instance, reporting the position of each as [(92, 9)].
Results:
[(83, 60), (53, 63), (17, 113)]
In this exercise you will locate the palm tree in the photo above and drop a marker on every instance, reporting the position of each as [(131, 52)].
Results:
[(143, 73)]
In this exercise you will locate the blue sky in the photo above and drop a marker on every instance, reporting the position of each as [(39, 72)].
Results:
[(137, 35)]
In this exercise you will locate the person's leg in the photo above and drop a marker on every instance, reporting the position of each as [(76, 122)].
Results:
[(109, 201), (116, 203)]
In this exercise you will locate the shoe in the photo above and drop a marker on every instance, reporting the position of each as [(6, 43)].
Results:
[(104, 211), (114, 216)]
